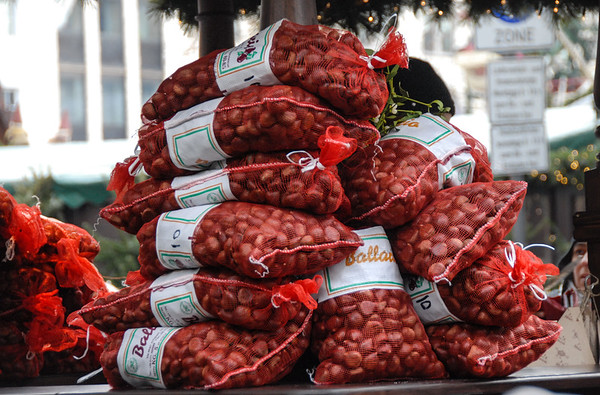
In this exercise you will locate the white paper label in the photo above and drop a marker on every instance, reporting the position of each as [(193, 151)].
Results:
[(427, 301), (205, 187), (140, 356), (173, 299), (442, 140), (191, 139), (174, 233), (371, 266), (247, 64)]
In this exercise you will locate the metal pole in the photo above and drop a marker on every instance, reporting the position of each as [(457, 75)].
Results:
[(215, 25), (303, 12)]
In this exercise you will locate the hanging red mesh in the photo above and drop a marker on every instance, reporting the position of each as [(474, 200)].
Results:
[(502, 288), (280, 179), (19, 283), (85, 246), (253, 304), (215, 355), (484, 352), (318, 59), (254, 240), (26, 230), (83, 357), (371, 335), (254, 119), (73, 270), (459, 226)]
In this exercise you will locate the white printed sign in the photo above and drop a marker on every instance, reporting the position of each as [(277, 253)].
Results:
[(191, 139), (443, 141), (140, 356), (174, 236), (205, 187), (173, 299), (248, 63), (371, 266), (427, 301), (502, 33)]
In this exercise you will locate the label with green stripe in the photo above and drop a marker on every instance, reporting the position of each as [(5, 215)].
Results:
[(191, 140), (371, 266), (174, 236)]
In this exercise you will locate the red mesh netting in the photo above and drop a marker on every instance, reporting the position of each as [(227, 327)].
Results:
[(26, 231), (83, 356), (483, 167), (217, 355), (254, 119), (20, 282), (315, 58), (280, 179), (389, 184), (250, 303), (7, 203), (86, 245), (482, 351), (255, 240), (18, 362), (459, 226), (502, 288), (371, 335)]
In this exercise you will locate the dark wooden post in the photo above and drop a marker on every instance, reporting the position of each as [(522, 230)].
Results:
[(587, 223), (303, 12), (215, 25)]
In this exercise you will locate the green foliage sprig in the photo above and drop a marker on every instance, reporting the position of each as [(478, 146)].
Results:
[(398, 107)]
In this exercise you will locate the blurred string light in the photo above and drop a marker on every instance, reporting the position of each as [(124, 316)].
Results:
[(567, 166), (332, 12)]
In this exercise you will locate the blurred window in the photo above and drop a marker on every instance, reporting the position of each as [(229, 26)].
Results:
[(439, 38), (113, 105), (150, 37), (8, 17), (72, 91), (70, 36), (111, 32)]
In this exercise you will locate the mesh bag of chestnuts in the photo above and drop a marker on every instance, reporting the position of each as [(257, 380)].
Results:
[(468, 350), (18, 362), (459, 226), (502, 288), (184, 297), (483, 167), (84, 243), (326, 62), (207, 355), (255, 240), (298, 179), (365, 328), (254, 119), (7, 204), (390, 183), (21, 228)]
